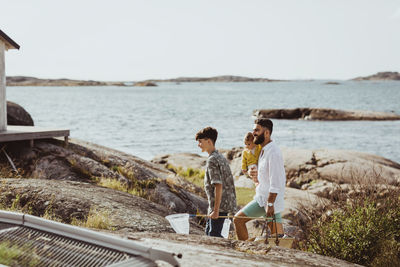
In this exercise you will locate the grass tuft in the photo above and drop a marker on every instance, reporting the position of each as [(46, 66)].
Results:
[(95, 219), (14, 255)]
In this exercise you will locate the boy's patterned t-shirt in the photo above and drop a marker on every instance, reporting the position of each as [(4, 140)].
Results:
[(219, 172)]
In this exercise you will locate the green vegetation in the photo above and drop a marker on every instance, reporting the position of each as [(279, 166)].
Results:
[(138, 188), (363, 229), (95, 219), (195, 176), (244, 195), (10, 255)]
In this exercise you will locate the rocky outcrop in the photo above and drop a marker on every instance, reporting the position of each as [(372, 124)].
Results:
[(184, 160), (338, 166), (90, 163), (68, 200), (145, 83), (311, 174), (32, 81), (380, 76), (332, 83), (17, 115), (229, 252), (324, 114)]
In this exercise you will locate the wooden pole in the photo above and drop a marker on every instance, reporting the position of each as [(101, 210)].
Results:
[(3, 100)]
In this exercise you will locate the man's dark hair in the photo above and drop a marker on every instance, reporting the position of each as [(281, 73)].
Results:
[(207, 133), (266, 123)]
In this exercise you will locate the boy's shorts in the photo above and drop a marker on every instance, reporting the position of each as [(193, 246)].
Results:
[(252, 209)]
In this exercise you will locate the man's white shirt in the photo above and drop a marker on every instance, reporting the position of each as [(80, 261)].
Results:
[(271, 177)]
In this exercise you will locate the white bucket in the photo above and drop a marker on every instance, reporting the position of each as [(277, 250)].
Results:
[(179, 222), (225, 228)]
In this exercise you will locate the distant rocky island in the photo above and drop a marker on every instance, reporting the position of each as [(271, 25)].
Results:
[(224, 78), (380, 76), (325, 114), (32, 81)]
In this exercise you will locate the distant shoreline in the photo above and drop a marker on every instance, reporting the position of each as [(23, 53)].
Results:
[(33, 81)]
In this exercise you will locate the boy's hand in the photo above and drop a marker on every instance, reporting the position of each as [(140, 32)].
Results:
[(214, 215)]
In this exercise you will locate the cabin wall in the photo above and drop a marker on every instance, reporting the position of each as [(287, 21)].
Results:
[(3, 101)]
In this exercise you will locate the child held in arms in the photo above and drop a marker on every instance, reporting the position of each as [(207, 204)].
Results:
[(218, 183), (250, 154)]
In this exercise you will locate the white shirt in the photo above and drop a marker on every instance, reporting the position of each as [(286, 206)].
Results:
[(271, 177)]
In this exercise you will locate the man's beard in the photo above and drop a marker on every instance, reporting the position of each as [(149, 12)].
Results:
[(259, 139)]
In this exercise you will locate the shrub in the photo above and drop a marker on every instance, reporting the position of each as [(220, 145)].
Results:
[(366, 230)]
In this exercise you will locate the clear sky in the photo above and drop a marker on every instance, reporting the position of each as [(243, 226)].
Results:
[(137, 40)]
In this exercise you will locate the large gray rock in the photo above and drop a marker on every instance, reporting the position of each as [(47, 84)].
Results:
[(66, 200), (324, 114), (221, 252), (17, 115), (86, 162), (338, 166)]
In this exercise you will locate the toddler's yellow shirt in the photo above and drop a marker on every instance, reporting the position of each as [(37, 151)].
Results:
[(249, 158)]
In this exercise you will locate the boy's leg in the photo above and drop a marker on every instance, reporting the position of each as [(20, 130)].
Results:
[(207, 230), (215, 226)]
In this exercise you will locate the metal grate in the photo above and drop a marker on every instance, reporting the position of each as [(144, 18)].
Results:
[(56, 250)]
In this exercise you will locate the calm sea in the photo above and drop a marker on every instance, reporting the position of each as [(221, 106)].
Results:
[(147, 121)]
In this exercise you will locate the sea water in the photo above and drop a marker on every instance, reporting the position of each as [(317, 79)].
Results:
[(148, 121)]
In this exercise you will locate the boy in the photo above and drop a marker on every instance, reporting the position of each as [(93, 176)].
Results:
[(218, 183)]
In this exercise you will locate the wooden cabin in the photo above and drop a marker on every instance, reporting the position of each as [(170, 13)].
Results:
[(17, 133)]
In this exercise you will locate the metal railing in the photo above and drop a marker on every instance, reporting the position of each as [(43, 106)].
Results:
[(58, 244)]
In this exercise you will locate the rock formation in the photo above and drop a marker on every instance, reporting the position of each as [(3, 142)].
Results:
[(313, 176), (32, 81), (145, 83), (225, 78), (85, 162), (324, 114), (385, 76), (17, 115)]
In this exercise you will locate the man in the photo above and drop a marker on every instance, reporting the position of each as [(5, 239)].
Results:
[(218, 183), (270, 174)]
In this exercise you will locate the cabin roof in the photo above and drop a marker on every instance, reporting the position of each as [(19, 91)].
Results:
[(10, 43)]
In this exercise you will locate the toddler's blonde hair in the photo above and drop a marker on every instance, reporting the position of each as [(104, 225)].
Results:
[(249, 137)]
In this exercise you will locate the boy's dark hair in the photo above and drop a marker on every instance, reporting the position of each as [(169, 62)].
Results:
[(207, 133), (266, 123)]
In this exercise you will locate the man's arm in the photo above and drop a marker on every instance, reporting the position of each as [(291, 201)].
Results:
[(270, 209), (217, 202), (275, 175)]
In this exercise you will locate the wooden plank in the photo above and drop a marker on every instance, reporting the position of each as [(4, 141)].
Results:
[(19, 133)]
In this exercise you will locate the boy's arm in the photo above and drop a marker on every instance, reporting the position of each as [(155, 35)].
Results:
[(217, 202)]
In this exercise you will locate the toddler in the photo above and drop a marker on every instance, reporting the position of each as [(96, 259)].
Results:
[(250, 154)]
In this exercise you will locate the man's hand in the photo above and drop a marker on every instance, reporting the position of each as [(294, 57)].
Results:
[(214, 215), (270, 211)]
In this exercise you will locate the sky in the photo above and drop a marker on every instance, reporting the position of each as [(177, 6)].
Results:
[(130, 40)]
